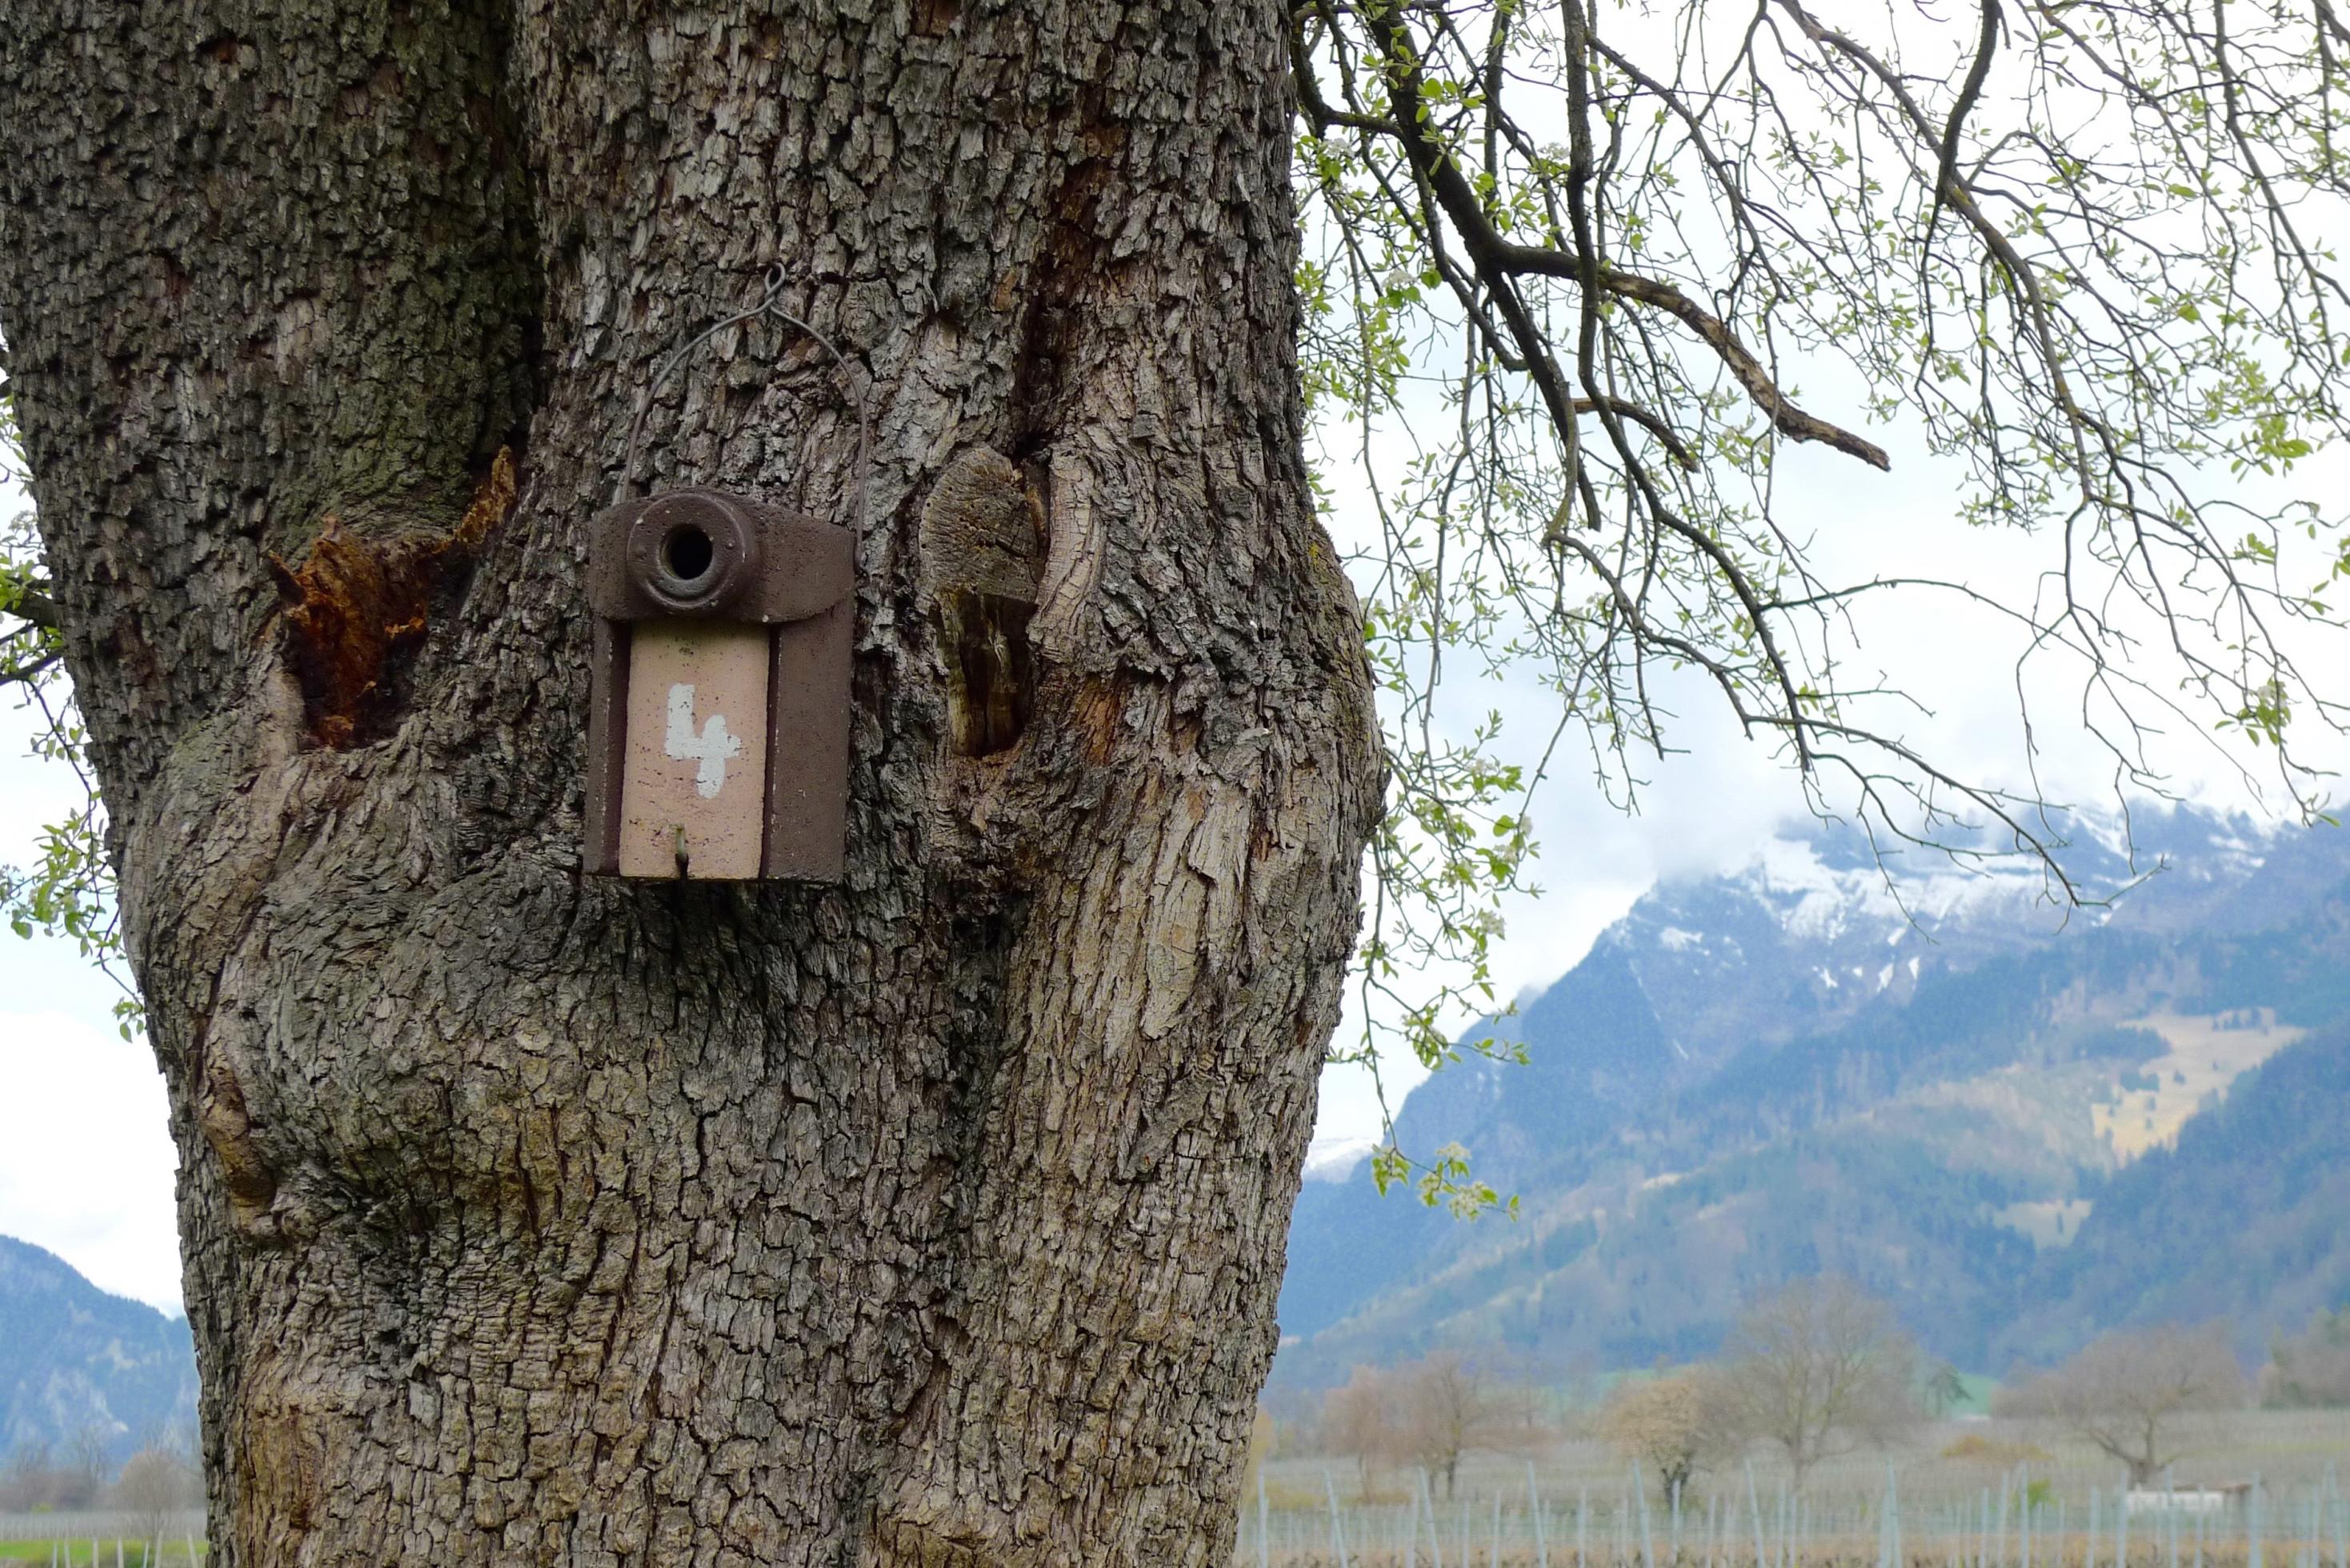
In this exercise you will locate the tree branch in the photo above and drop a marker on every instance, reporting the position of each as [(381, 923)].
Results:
[(1498, 259)]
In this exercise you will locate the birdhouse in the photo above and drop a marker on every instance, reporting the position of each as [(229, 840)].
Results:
[(717, 724)]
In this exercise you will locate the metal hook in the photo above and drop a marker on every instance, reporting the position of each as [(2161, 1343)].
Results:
[(769, 305)]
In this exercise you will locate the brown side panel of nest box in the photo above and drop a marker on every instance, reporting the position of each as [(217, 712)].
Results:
[(607, 734), (808, 741)]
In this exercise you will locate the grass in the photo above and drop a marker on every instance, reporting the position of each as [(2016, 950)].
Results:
[(36, 1549)]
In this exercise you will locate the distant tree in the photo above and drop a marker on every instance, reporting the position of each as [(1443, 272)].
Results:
[(85, 1464), (1360, 1420), (155, 1484), (1447, 1405), (1442, 1403), (1673, 1424), (2311, 1367), (36, 1477), (2125, 1391), (24, 1478), (1819, 1369)]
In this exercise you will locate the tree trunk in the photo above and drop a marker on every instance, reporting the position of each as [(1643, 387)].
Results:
[(933, 1217)]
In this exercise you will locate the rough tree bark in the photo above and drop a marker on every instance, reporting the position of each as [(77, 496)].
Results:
[(530, 1218)]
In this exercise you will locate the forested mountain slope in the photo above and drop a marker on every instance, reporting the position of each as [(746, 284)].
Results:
[(1785, 1070), (2244, 1219), (76, 1361)]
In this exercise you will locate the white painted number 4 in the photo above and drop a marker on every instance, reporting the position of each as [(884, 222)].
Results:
[(712, 747)]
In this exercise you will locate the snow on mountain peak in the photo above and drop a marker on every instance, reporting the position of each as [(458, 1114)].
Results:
[(1818, 900)]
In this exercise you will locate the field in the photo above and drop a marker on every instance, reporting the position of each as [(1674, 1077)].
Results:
[(2206, 1055), (1957, 1495), (1516, 1554), (48, 1549), (1954, 1496), (68, 1537)]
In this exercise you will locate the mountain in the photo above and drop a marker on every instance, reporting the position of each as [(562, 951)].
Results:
[(75, 1360), (1943, 1084), (2240, 1219)]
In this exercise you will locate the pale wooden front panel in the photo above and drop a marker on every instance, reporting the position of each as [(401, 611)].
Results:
[(696, 769)]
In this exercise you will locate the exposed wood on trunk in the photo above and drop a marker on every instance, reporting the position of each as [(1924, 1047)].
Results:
[(981, 545), (356, 610)]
